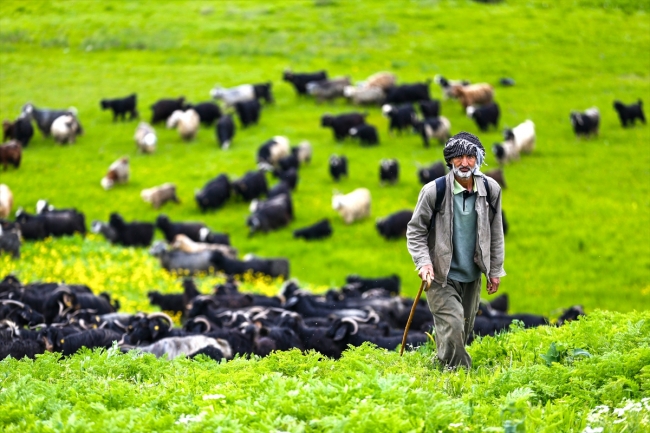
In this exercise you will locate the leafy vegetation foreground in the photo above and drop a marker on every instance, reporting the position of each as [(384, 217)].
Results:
[(590, 375)]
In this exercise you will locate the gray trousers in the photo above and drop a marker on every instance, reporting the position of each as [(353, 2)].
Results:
[(454, 308)]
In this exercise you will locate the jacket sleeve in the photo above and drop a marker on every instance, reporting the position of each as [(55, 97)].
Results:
[(417, 231), (497, 241)]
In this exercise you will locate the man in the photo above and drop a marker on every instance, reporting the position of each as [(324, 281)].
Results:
[(451, 247)]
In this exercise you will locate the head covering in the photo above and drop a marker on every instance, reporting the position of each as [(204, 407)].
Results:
[(464, 143)]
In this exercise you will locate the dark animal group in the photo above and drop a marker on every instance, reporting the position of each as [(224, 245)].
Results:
[(40, 317)]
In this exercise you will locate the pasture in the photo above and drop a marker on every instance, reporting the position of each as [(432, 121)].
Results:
[(578, 209)]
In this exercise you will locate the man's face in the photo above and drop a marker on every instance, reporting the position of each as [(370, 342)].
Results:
[(463, 166)]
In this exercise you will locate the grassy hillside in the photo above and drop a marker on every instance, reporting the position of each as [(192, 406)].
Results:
[(579, 210)]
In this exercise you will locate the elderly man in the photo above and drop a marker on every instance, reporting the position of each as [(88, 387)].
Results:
[(455, 235)]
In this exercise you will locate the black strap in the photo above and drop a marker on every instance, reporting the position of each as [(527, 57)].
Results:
[(441, 187)]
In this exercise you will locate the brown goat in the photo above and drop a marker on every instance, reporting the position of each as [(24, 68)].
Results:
[(474, 94), (11, 152)]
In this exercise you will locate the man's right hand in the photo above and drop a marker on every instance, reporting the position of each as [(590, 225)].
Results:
[(426, 273)]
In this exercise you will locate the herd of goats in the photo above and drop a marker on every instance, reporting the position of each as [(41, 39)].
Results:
[(57, 317)]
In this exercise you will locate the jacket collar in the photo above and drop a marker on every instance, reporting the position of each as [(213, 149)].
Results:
[(477, 179)]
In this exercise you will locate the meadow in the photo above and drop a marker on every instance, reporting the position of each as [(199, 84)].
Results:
[(579, 210)]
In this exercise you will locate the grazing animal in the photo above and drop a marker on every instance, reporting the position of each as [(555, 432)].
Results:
[(163, 108), (225, 131), (6, 200), (20, 129), (208, 112), (214, 194), (391, 283), (182, 262), (300, 80), (401, 117), (367, 134), (338, 166), (629, 113), (381, 80), (434, 171), (429, 108), (328, 90), (57, 223), (271, 214), (497, 174), (133, 234), (121, 106), (248, 112), (65, 129), (252, 185), (473, 94), (485, 115), (394, 226), (118, 172), (342, 123), (408, 93), (11, 153), (173, 347), (447, 86), (145, 138), (44, 117), (106, 230), (318, 230), (159, 195), (587, 123), (290, 177), (273, 150), (192, 230), (186, 123), (364, 95), (505, 152), (388, 171), (263, 91), (183, 243), (438, 128), (303, 152), (278, 267), (10, 242), (352, 206), (522, 136), (233, 95), (505, 81)]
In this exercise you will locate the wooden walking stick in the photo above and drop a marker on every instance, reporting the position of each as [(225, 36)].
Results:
[(426, 282)]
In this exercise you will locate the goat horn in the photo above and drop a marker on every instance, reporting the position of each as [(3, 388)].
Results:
[(164, 316), (353, 322), (11, 301), (202, 319)]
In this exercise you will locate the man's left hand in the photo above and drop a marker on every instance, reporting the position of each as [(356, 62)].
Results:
[(493, 285)]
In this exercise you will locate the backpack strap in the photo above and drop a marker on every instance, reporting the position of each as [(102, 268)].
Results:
[(441, 187), (489, 197)]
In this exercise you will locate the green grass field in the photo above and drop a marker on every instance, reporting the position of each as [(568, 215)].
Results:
[(579, 210)]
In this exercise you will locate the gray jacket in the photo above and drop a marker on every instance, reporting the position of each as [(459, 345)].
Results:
[(435, 247)]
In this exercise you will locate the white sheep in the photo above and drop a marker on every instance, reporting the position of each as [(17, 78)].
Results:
[(522, 136), (381, 80), (159, 195), (145, 138), (6, 200), (175, 346), (186, 122), (352, 206), (233, 95), (303, 152), (362, 95), (65, 128), (118, 172), (505, 152), (184, 243)]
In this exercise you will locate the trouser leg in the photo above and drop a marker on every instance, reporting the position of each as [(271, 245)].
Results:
[(454, 309)]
